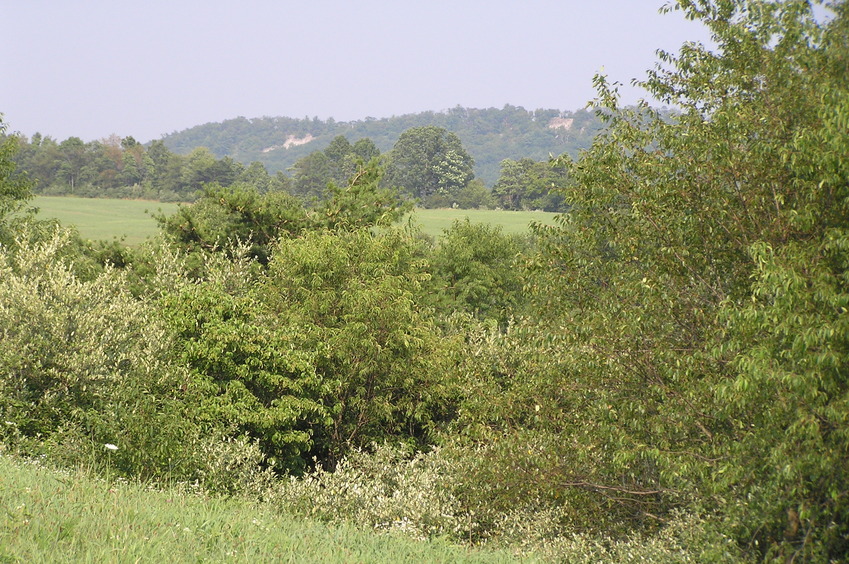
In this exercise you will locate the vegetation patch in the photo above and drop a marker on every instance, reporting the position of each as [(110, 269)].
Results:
[(70, 516), (658, 373)]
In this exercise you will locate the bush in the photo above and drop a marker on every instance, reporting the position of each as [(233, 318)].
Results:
[(391, 489), (85, 364), (352, 300)]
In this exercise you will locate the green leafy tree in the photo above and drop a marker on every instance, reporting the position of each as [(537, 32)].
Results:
[(351, 299), (250, 377), (788, 343), (362, 203), (364, 150), (257, 176), (690, 304), (475, 265), (336, 153), (15, 189), (199, 169), (223, 218), (528, 184), (310, 176), (73, 161), (167, 168), (429, 160), (336, 164)]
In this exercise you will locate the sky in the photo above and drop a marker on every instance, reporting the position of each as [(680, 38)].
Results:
[(94, 68)]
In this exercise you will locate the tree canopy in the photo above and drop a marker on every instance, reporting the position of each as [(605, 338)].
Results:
[(429, 160)]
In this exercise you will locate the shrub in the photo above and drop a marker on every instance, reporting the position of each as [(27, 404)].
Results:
[(352, 301), (84, 364), (391, 489)]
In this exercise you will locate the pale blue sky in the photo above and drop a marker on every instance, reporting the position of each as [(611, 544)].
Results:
[(93, 68)]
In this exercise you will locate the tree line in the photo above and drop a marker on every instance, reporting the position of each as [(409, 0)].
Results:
[(490, 135), (665, 367), (429, 165)]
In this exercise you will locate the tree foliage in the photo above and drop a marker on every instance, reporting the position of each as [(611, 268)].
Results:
[(475, 265), (224, 217), (14, 188), (124, 168), (227, 218), (429, 160), (695, 295), (668, 362), (527, 184), (353, 298)]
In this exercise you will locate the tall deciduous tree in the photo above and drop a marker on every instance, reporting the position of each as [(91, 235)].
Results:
[(426, 160), (696, 297), (14, 188)]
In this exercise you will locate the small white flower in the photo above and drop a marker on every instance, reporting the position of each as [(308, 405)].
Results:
[(110, 446)]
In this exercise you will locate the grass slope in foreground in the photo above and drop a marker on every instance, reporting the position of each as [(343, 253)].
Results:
[(50, 516)]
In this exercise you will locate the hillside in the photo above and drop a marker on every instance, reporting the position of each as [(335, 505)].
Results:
[(70, 516), (489, 135)]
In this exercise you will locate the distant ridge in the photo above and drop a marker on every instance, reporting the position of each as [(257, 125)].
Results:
[(489, 135)]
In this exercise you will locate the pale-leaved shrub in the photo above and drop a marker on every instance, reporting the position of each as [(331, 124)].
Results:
[(83, 364), (388, 489), (421, 495)]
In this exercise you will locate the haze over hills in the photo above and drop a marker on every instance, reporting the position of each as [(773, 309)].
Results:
[(489, 135)]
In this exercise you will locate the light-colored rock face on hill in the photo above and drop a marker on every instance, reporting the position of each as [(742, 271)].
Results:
[(291, 141), (561, 123)]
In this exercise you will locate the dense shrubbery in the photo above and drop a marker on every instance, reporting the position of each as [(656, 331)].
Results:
[(85, 364), (663, 374)]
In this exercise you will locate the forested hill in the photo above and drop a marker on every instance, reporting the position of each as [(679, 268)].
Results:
[(489, 135)]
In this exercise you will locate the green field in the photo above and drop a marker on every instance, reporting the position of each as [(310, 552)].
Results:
[(102, 218), (434, 222), (50, 516)]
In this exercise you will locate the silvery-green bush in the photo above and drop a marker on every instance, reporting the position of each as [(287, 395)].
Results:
[(83, 364), (393, 490), (387, 488)]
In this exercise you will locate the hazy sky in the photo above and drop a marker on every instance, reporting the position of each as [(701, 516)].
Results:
[(92, 68)]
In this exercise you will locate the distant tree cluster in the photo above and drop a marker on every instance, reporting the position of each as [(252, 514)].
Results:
[(489, 135), (529, 184), (429, 165), (335, 164), (123, 168)]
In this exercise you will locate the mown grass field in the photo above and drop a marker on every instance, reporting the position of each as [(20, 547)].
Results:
[(131, 220), (49, 516), (434, 222), (97, 218)]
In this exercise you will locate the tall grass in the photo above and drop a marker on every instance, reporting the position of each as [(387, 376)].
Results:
[(51, 516)]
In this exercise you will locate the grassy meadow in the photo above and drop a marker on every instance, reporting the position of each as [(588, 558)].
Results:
[(51, 516), (131, 220), (103, 218), (434, 222)]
